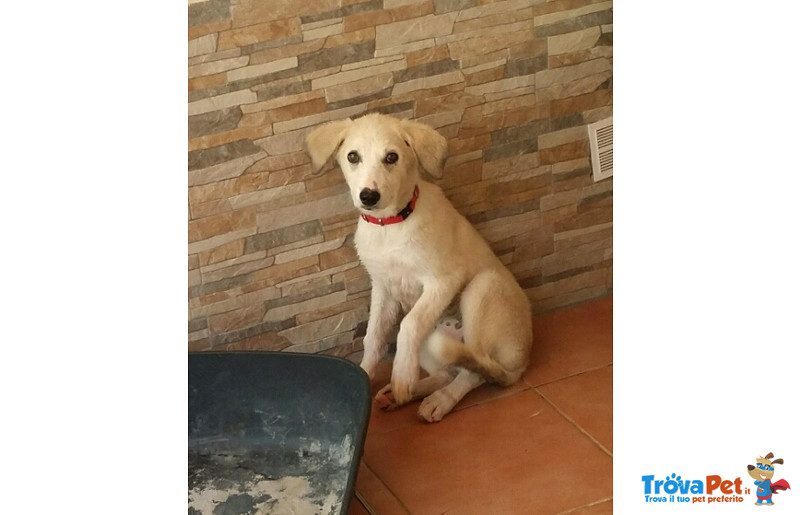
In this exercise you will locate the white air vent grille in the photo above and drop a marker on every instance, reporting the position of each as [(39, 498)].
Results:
[(601, 141)]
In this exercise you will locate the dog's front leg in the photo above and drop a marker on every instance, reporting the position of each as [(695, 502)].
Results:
[(415, 327), (383, 312)]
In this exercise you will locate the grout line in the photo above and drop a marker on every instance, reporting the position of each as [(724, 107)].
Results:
[(571, 421), (363, 501), (569, 376), (394, 496), (573, 510)]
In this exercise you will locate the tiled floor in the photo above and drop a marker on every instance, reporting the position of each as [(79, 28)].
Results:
[(541, 446)]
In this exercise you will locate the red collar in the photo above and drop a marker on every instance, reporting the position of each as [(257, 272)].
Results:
[(402, 215)]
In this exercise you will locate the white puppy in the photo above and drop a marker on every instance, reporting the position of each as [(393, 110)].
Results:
[(422, 256)]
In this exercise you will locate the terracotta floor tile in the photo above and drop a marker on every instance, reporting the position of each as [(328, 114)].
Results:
[(570, 341), (375, 494), (587, 399), (602, 508), (508, 456), (356, 508)]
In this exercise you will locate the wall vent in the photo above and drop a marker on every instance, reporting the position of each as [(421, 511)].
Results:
[(601, 141)]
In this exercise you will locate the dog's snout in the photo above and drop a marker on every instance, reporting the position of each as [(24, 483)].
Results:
[(369, 197)]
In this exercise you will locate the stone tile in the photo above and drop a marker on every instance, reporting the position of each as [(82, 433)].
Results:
[(216, 56), (428, 82), (357, 74), (214, 121), (426, 70), (580, 103), (204, 29), (492, 8), (211, 11), (336, 55), (238, 335), (225, 223), (266, 117), (565, 152), (224, 170), (573, 41), (221, 102), (560, 15), (472, 46), (319, 329), (307, 121), (286, 312), (560, 137), (278, 237), (427, 55), (252, 34), (236, 319), (573, 24), (388, 15), (445, 6), (212, 156), (218, 66), (526, 66), (258, 70), (405, 48), (203, 45), (311, 250), (565, 74), (360, 88), (501, 85), (416, 29)]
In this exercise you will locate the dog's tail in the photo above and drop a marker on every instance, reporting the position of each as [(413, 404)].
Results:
[(455, 353)]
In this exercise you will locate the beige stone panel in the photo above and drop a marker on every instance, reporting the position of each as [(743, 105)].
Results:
[(553, 139), (261, 196), (406, 48), (516, 92), (203, 45), (226, 170), (485, 32), (323, 328), (406, 31), (387, 16), (299, 213), (284, 101), (221, 138), (372, 62), (506, 227), (195, 278), (391, 4), (305, 286), (284, 143), (427, 55), (262, 69), (473, 46), (252, 34), (235, 302), (236, 319), (495, 8), (306, 121), (546, 78), (572, 89), (222, 101), (501, 85), (359, 88), (438, 120), (432, 81), (319, 238), (547, 19), (572, 41), (283, 312), (323, 32), (357, 74), (249, 12), (238, 260), (219, 66), (216, 56), (311, 250), (329, 271), (244, 267), (222, 239), (497, 21), (556, 200)]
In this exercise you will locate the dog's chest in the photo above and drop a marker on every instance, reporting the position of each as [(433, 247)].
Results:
[(395, 265)]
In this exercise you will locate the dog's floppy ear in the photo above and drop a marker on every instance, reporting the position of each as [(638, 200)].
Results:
[(429, 146), (323, 141)]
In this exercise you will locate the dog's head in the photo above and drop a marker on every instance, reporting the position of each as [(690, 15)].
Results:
[(381, 158), (764, 468)]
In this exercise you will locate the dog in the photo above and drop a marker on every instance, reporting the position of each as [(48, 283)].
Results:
[(763, 472), (423, 257)]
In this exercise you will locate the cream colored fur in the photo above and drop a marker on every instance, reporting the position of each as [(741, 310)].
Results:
[(421, 266)]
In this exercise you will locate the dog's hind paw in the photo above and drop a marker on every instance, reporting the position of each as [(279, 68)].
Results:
[(435, 406)]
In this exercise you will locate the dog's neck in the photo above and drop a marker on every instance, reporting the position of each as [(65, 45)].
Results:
[(399, 217)]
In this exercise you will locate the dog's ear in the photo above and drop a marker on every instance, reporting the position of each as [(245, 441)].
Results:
[(322, 142), (429, 146)]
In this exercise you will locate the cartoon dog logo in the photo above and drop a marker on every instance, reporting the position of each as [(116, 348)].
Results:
[(762, 472)]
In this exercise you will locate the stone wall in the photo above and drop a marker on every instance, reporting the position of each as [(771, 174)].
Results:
[(512, 85)]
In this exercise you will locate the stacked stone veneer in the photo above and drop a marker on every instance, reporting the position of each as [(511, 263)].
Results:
[(511, 84)]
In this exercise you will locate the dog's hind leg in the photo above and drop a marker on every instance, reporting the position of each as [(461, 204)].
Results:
[(422, 388), (442, 401)]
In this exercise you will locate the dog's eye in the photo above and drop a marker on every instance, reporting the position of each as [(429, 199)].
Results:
[(353, 157), (391, 158)]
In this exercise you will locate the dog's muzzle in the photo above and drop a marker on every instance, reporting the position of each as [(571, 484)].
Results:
[(369, 198)]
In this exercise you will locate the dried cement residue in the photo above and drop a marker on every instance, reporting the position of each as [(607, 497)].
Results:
[(307, 481)]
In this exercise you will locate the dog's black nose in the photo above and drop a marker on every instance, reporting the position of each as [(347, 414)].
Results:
[(369, 197)]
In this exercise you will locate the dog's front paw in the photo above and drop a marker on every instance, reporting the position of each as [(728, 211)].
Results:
[(405, 373), (385, 398)]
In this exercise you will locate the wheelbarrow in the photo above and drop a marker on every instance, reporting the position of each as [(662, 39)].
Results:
[(274, 432)]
